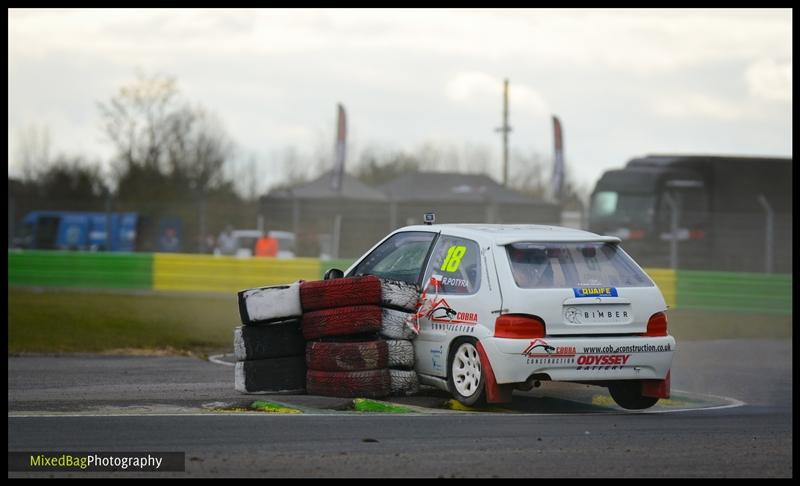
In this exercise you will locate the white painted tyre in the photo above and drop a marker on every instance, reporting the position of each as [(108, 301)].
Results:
[(401, 353), (397, 324), (399, 295), (266, 304)]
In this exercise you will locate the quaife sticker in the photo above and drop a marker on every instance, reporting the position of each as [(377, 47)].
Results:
[(595, 291)]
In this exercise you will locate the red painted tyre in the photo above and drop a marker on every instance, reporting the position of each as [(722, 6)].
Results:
[(342, 321), (349, 384), (340, 292), (344, 356)]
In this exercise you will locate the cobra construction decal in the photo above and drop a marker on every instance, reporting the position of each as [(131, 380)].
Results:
[(609, 357), (445, 318), (540, 352)]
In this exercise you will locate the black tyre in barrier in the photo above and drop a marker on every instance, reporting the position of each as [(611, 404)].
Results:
[(268, 341), (287, 375)]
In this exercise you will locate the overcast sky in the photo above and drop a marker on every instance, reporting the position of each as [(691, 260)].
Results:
[(624, 83)]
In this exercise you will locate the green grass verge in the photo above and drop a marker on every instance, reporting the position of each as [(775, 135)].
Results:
[(45, 321), (78, 321), (367, 405)]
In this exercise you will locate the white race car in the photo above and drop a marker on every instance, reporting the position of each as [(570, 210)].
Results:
[(508, 306)]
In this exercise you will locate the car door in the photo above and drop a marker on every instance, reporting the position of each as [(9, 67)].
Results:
[(459, 303)]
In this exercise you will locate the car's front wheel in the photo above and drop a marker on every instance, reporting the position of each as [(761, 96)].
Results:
[(466, 378), (628, 394)]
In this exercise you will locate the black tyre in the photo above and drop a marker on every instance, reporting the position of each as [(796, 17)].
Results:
[(268, 341), (277, 375), (628, 394), (465, 377)]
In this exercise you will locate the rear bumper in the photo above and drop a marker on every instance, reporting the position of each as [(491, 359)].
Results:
[(580, 358)]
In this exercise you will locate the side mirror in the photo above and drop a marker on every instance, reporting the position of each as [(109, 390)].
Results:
[(333, 273)]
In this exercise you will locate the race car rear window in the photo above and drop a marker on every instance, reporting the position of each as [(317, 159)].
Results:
[(566, 265)]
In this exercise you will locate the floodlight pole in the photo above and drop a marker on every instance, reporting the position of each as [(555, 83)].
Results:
[(504, 130)]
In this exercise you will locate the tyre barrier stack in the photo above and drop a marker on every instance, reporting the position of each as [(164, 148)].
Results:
[(359, 337), (269, 347), (348, 337)]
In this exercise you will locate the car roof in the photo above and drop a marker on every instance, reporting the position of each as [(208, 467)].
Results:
[(505, 234)]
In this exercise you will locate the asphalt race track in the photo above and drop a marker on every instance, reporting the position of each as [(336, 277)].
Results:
[(730, 415)]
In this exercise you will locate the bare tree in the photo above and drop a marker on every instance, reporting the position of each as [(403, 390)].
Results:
[(156, 134)]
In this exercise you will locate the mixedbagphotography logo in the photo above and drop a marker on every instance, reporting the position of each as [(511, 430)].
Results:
[(96, 461)]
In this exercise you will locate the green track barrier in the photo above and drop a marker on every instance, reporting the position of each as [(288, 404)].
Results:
[(734, 292), (80, 269), (684, 289)]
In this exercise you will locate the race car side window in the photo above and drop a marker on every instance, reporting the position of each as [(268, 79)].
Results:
[(456, 263), (401, 257)]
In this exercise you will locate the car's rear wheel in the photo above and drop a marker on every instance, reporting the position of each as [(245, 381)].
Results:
[(466, 378), (628, 394)]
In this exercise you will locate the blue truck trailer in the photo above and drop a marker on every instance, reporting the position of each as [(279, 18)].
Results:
[(72, 230)]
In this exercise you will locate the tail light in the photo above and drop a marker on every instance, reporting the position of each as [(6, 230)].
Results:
[(657, 325), (518, 327)]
